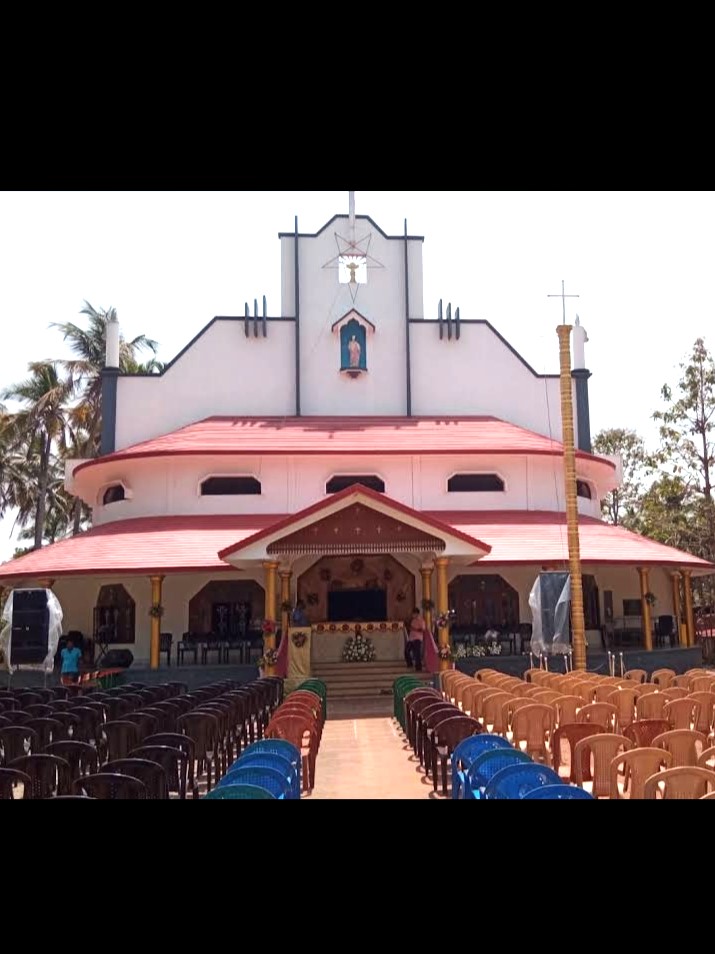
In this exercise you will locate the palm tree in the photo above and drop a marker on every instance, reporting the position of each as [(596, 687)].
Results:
[(38, 425), (85, 370)]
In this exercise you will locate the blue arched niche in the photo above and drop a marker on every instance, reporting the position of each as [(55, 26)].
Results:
[(350, 358)]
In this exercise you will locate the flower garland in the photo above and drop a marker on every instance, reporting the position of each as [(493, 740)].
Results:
[(445, 652), (156, 611), (268, 627), (443, 620), (359, 649), (269, 658)]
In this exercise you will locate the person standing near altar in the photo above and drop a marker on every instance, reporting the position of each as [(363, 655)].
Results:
[(415, 639), (299, 616)]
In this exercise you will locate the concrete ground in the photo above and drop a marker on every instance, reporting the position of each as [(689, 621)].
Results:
[(367, 758)]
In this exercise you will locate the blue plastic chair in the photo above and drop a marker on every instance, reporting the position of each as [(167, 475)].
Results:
[(268, 778), (516, 781), (239, 791), (568, 792), (486, 766), (466, 752), (276, 746), (266, 760)]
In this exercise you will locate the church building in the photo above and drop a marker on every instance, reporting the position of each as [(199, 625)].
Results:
[(362, 451)]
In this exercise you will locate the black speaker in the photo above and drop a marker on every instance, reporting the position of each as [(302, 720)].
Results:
[(117, 659), (30, 638)]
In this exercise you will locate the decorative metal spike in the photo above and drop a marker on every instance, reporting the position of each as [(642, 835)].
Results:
[(255, 317), (457, 328), (245, 323), (449, 321), (265, 315), (439, 319)]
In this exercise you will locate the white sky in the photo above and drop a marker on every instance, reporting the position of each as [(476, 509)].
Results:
[(641, 263)]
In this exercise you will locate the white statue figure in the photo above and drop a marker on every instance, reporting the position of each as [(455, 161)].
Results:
[(354, 350)]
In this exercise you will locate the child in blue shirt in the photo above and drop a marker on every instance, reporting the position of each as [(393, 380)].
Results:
[(70, 656)]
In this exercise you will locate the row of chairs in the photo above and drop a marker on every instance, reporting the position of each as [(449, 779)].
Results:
[(300, 720), (542, 720), (267, 769), (483, 765), (182, 736)]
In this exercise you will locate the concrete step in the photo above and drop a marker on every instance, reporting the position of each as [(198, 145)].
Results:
[(362, 680)]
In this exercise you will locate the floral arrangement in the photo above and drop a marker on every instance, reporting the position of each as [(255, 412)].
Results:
[(286, 606), (269, 658), (494, 649), (445, 652), (463, 651), (427, 605), (156, 611), (359, 649), (299, 639), (268, 627), (650, 598), (443, 620)]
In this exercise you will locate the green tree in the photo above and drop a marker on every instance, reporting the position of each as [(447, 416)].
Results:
[(37, 426), (85, 369), (687, 432), (620, 506)]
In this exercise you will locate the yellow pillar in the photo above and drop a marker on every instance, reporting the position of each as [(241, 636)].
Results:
[(269, 613), (689, 614), (442, 607), (578, 625), (426, 572), (155, 644), (285, 576), (645, 608), (676, 603)]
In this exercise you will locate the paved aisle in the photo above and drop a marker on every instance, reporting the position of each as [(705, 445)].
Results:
[(367, 758)]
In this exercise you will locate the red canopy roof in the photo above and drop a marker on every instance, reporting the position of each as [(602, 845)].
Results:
[(519, 536), (192, 543), (344, 435)]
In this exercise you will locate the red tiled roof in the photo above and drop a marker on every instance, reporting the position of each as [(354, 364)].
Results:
[(192, 543), (344, 435), (141, 546), (520, 536)]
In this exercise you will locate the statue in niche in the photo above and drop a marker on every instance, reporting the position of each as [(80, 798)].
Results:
[(354, 351), (353, 348)]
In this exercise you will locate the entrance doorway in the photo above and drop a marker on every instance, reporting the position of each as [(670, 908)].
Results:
[(484, 602)]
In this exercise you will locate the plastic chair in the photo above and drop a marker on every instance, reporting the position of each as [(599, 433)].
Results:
[(643, 732), (515, 781), (683, 746), (486, 765), (604, 748), (9, 780), (568, 792), (238, 791), (572, 733), (110, 786), (278, 747), (687, 781), (267, 760), (445, 739), (49, 775), (637, 765), (152, 774), (80, 756), (273, 780), (466, 752)]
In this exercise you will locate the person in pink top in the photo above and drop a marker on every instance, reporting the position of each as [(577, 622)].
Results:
[(415, 638)]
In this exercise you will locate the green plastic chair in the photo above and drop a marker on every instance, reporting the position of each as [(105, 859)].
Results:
[(400, 688), (240, 791), (320, 689)]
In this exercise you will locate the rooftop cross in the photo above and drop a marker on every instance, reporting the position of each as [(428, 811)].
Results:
[(563, 296)]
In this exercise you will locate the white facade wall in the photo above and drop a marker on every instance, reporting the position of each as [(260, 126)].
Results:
[(171, 485), (480, 374), (222, 373)]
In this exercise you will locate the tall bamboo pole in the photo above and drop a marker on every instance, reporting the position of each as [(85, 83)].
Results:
[(578, 626)]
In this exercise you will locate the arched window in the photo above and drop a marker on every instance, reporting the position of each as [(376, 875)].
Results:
[(229, 486), (336, 484), (583, 489), (474, 483), (113, 494)]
